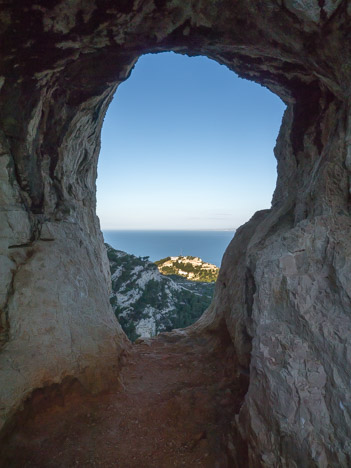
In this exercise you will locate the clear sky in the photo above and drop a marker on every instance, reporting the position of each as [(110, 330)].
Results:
[(186, 144)]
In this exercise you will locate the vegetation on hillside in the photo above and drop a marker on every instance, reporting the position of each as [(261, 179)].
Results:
[(190, 267), (141, 294)]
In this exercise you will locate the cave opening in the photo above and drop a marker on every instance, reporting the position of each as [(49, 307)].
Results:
[(284, 281), (186, 158)]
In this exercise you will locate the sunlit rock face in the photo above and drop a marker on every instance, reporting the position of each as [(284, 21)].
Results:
[(284, 288)]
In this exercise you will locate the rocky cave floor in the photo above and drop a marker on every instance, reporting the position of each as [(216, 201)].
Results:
[(173, 407)]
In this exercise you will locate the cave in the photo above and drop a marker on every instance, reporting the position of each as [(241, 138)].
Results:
[(282, 300)]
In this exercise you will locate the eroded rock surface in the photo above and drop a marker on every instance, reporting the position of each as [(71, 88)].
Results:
[(284, 283)]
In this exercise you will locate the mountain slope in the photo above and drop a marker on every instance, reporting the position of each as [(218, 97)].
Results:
[(146, 302)]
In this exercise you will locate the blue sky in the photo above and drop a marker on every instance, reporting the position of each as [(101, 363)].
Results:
[(186, 144)]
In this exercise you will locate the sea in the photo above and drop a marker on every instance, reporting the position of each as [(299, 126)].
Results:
[(208, 245)]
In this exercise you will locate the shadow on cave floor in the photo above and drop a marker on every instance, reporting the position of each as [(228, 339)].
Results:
[(173, 407)]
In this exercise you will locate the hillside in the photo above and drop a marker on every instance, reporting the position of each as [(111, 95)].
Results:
[(146, 302), (191, 268)]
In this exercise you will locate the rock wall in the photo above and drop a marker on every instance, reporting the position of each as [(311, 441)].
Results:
[(283, 288)]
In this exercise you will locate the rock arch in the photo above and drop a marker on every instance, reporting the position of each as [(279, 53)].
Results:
[(284, 288)]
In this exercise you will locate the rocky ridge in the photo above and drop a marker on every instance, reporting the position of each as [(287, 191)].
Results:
[(146, 302), (191, 268)]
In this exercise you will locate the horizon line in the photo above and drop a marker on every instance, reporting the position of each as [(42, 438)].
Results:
[(167, 230)]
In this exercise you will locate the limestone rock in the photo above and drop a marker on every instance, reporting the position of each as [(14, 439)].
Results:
[(312, 10)]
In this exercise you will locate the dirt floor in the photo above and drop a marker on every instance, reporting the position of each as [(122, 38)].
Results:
[(173, 407)]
